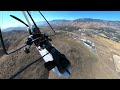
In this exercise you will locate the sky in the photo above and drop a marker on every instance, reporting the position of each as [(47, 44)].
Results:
[(7, 21)]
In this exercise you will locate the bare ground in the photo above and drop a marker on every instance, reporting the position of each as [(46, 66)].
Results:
[(85, 65)]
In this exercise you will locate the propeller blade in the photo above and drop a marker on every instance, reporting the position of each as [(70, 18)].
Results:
[(19, 20)]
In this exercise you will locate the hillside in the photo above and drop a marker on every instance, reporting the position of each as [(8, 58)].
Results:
[(85, 65), (91, 45), (98, 64)]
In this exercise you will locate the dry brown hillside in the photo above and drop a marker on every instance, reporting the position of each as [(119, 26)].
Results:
[(85, 65), (88, 65)]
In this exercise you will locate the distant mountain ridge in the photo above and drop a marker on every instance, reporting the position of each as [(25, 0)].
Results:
[(14, 28), (83, 20), (80, 22), (89, 23)]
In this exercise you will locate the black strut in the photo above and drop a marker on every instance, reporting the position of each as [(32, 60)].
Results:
[(47, 22), (2, 42), (32, 19)]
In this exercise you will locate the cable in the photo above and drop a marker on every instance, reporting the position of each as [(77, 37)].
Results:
[(13, 76), (48, 23)]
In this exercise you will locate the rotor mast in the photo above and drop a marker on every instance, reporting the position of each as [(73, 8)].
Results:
[(29, 29)]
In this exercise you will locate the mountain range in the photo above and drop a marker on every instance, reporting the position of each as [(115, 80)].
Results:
[(81, 22)]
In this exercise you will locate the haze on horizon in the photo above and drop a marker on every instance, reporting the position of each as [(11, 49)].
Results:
[(6, 21)]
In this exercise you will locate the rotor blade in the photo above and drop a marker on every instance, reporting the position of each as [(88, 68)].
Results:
[(19, 20)]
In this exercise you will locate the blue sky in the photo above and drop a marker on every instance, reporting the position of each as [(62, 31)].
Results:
[(7, 21)]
